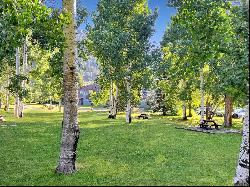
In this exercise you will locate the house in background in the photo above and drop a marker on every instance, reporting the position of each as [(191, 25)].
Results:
[(84, 93), (90, 73)]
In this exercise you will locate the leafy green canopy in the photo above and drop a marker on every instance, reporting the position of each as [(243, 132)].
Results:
[(120, 41), (232, 70), (44, 29), (17, 19), (203, 34)]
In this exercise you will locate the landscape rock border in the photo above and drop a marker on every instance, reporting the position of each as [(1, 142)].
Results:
[(211, 130)]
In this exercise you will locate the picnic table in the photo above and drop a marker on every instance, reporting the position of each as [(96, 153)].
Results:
[(205, 124), (143, 116)]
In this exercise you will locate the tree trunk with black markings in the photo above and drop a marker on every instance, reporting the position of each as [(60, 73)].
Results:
[(70, 128), (242, 170), (7, 103), (112, 102), (116, 99), (25, 65), (128, 108), (202, 94), (17, 100)]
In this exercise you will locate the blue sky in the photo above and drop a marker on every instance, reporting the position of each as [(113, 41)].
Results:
[(164, 15), (163, 19)]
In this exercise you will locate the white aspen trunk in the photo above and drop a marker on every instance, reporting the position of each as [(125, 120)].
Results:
[(202, 94), (7, 104), (16, 110), (60, 106), (70, 128), (112, 102), (206, 109), (111, 99), (50, 102), (128, 108), (115, 99), (25, 57), (242, 170), (184, 111)]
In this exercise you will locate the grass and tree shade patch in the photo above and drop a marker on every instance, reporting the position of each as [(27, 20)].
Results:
[(147, 152)]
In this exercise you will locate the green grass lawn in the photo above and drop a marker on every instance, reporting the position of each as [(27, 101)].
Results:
[(111, 152)]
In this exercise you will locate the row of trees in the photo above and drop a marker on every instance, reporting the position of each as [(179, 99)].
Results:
[(32, 39), (206, 47), (47, 38), (128, 62), (203, 49), (31, 32), (119, 40)]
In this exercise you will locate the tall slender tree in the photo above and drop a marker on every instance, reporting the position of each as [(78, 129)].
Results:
[(70, 128), (242, 26), (242, 170), (24, 72), (17, 98), (205, 27), (120, 42)]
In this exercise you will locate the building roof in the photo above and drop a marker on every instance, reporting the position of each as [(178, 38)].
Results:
[(93, 86)]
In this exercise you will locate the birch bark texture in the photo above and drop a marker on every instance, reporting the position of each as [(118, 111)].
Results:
[(113, 99), (128, 108), (70, 128), (17, 101), (7, 104), (242, 170), (116, 99), (202, 94), (24, 71)]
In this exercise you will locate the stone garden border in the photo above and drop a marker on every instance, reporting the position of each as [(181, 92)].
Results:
[(211, 130)]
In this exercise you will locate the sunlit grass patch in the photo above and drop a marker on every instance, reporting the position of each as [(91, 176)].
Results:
[(111, 152)]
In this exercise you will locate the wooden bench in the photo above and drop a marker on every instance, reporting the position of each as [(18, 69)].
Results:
[(143, 116), (204, 124)]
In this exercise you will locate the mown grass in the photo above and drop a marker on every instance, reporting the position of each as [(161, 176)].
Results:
[(111, 152)]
